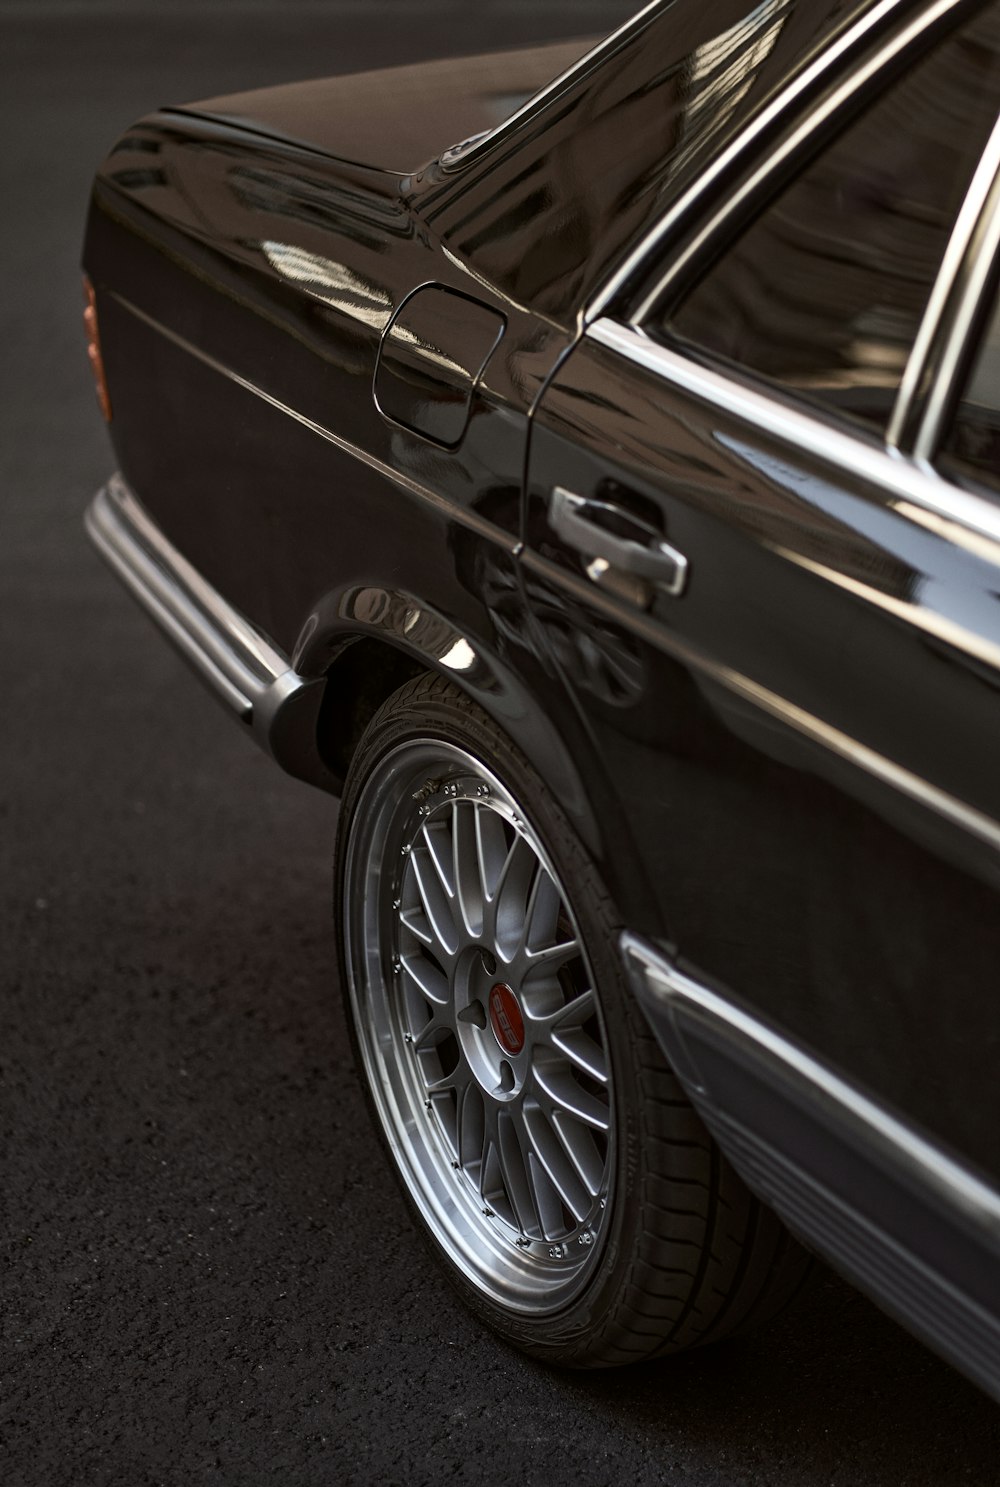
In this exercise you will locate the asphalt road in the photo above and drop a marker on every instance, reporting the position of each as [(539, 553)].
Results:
[(208, 1276)]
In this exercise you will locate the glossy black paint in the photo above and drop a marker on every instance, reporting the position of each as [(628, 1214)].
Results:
[(255, 285), (846, 912), (432, 355), (246, 279)]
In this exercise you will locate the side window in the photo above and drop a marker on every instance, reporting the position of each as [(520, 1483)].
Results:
[(972, 444), (824, 293)]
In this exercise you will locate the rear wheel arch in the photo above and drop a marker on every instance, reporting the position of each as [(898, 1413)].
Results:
[(367, 642)]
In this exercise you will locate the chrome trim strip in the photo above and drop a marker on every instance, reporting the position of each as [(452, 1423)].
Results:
[(962, 237), (960, 1188), (461, 154), (250, 676), (903, 480), (766, 120), (456, 513), (987, 226)]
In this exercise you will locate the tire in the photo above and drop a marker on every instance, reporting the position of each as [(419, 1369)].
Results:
[(547, 1151)]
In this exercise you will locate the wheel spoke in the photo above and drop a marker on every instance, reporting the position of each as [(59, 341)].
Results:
[(582, 1149), (511, 896), (541, 918), (465, 868), (491, 1188), (436, 839), (547, 1200), (491, 851), (428, 978), (434, 901), (516, 1178), (551, 1154), (571, 1014), (433, 1030), (561, 1092), (539, 963), (471, 1129), (580, 1048), (457, 1079), (414, 921)]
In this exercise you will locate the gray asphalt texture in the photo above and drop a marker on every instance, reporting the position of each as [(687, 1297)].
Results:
[(208, 1275)]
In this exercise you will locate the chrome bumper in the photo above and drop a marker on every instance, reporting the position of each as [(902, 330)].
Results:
[(240, 665)]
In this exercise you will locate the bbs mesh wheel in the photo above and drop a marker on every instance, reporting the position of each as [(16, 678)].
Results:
[(550, 1156)]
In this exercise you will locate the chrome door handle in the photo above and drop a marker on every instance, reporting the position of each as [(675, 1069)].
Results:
[(602, 530)]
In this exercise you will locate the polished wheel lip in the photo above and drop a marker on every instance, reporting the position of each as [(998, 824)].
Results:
[(541, 1266)]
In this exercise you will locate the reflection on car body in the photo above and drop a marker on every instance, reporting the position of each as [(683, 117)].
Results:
[(605, 501)]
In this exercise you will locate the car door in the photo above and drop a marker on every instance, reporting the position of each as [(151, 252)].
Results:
[(777, 622)]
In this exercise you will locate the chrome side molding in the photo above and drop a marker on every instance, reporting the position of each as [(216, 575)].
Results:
[(898, 1215), (247, 673)]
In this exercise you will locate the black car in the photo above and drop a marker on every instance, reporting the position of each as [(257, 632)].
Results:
[(602, 497)]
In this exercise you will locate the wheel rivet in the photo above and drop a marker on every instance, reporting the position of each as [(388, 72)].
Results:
[(427, 1105), (521, 1242), (397, 903), (404, 851), (488, 1213), (407, 1037)]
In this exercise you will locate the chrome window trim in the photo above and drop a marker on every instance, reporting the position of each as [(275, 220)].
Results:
[(469, 150), (956, 256), (978, 260), (770, 117), (906, 482)]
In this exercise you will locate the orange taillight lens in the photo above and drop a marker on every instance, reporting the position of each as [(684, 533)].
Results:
[(94, 347)]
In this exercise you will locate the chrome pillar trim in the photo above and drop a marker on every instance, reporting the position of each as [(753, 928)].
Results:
[(660, 984), (968, 295), (910, 487), (477, 145), (249, 675), (948, 284), (751, 142)]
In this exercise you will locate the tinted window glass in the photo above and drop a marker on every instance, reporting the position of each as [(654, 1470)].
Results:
[(973, 443), (824, 293)]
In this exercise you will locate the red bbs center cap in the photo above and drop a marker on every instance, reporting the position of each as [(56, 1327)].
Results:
[(506, 1019)]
